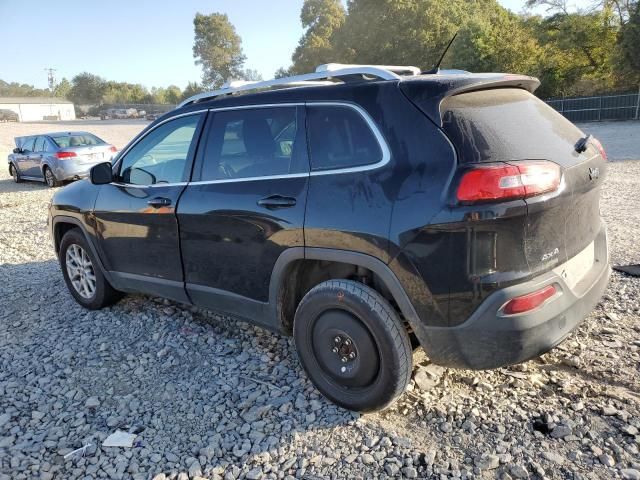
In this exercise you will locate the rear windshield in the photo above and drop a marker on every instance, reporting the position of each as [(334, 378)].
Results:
[(80, 140), (506, 124)]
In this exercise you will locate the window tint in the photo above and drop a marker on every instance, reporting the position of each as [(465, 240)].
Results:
[(80, 140), (39, 147), (161, 156), (254, 143), (340, 137)]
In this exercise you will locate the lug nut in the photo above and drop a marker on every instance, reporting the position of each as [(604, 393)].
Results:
[(337, 339), (334, 349), (347, 342), (344, 359), (352, 355)]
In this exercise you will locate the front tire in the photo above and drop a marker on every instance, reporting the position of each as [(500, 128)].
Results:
[(82, 273), (50, 178), (14, 173), (353, 345)]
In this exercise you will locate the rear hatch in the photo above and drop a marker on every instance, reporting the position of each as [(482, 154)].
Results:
[(511, 125)]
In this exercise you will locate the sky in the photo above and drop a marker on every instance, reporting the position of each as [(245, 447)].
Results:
[(139, 41)]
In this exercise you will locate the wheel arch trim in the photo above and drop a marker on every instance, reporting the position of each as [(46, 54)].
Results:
[(377, 266), (72, 220)]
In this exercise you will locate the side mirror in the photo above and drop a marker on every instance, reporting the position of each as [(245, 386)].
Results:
[(17, 150), (101, 173)]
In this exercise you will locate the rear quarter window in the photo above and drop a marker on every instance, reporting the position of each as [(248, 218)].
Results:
[(340, 137), (506, 124)]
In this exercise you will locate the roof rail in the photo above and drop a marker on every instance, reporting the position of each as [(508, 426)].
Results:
[(345, 73), (397, 69)]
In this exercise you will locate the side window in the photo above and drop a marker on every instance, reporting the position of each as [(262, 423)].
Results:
[(254, 143), (49, 146), (39, 147), (27, 144), (339, 137), (161, 156)]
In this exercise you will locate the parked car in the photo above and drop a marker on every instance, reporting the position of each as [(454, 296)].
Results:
[(7, 115), (56, 157), (153, 116), (385, 210)]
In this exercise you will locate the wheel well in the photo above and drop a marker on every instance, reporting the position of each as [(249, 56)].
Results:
[(302, 275), (60, 230)]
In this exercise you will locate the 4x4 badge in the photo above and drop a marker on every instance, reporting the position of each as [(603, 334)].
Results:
[(594, 173)]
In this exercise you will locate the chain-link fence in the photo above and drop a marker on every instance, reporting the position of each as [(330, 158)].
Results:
[(624, 106)]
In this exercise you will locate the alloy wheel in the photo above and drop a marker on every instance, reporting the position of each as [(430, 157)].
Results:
[(80, 271), (48, 175)]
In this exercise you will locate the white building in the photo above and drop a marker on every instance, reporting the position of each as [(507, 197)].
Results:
[(33, 109)]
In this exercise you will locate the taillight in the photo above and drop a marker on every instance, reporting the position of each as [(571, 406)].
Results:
[(600, 148), (63, 155), (508, 181), (113, 149), (529, 302)]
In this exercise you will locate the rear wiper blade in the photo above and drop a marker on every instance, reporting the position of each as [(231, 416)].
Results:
[(581, 145)]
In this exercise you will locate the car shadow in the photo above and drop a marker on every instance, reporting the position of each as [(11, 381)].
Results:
[(192, 382), (8, 185)]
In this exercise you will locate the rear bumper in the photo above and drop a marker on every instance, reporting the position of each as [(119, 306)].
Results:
[(68, 170), (489, 339)]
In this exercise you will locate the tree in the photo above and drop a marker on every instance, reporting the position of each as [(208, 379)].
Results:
[(173, 95), (251, 75), (62, 89), (218, 48), (87, 88), (629, 47), (192, 89), (321, 18)]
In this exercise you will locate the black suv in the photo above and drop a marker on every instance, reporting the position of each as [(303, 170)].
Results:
[(363, 209)]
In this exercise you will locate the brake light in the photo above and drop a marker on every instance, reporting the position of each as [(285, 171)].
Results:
[(63, 155), (113, 149), (530, 301), (508, 181), (600, 148)]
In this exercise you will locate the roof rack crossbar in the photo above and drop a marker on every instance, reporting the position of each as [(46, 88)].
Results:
[(321, 77)]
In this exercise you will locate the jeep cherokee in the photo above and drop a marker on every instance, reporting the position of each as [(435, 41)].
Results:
[(363, 209)]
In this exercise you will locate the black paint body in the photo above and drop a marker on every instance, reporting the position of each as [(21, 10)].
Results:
[(438, 260)]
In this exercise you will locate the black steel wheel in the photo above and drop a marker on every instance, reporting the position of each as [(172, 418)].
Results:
[(352, 345)]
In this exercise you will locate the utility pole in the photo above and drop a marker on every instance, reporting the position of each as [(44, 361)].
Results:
[(51, 78)]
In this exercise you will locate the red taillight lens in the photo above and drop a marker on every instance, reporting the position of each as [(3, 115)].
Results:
[(63, 155), (113, 149), (508, 181), (600, 148), (530, 301)]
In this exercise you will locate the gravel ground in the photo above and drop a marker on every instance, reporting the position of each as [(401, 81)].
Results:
[(214, 398)]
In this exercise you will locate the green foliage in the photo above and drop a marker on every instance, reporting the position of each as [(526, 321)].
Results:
[(629, 52), (15, 89), (193, 88), (321, 18), (571, 51), (62, 89), (87, 89), (218, 48)]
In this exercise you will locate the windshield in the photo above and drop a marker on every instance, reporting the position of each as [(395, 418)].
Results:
[(79, 140)]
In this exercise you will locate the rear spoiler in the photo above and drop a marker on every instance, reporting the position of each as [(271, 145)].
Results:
[(428, 91)]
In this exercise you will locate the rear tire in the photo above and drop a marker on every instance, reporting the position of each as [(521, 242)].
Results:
[(353, 346), (50, 178), (82, 273), (14, 173)]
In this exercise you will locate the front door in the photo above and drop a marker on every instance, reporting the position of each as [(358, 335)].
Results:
[(135, 215), (245, 206), (23, 160)]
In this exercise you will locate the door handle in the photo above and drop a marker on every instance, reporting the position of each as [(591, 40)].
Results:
[(159, 202), (277, 201)]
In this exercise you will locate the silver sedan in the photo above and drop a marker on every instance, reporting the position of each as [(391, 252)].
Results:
[(57, 157)]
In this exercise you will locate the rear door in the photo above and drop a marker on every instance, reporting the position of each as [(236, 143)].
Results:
[(135, 215), (35, 158), (245, 206)]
